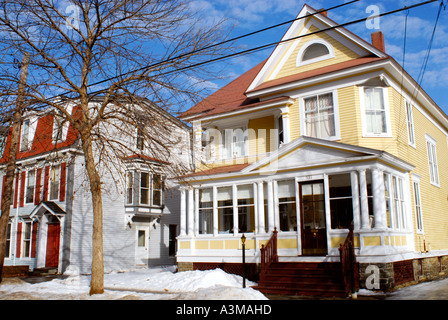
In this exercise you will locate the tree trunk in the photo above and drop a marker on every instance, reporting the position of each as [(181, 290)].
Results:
[(11, 165), (97, 278)]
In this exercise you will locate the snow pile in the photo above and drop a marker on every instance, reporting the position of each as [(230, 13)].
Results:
[(147, 284)]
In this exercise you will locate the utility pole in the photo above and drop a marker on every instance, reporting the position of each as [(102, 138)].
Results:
[(8, 181)]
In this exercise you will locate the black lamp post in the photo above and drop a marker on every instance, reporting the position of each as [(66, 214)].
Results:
[(243, 242)]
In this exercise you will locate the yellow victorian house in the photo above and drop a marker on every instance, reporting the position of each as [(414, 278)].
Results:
[(327, 147)]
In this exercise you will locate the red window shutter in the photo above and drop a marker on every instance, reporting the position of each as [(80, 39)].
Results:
[(63, 181), (38, 186), (19, 239), (22, 189), (3, 189), (46, 180), (33, 240), (16, 191)]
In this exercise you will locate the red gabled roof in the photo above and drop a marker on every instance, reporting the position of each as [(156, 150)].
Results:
[(232, 97), (229, 98), (43, 139), (317, 72)]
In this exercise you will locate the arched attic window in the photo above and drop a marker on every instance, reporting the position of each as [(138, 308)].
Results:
[(314, 51)]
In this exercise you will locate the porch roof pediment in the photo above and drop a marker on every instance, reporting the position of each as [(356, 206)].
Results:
[(47, 206), (312, 152)]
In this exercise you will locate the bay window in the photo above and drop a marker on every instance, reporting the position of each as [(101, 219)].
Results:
[(225, 210), (147, 188)]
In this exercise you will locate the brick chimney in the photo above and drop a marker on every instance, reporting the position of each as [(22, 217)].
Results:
[(324, 13), (378, 41)]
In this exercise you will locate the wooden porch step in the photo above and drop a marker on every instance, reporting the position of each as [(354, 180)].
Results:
[(315, 292), (303, 278)]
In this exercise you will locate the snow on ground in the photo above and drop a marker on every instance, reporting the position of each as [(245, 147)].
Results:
[(145, 284)]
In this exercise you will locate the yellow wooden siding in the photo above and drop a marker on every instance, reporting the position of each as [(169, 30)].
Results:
[(294, 120), (349, 115), (341, 54), (260, 137)]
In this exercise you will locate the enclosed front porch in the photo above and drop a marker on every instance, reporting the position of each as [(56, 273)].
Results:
[(310, 205)]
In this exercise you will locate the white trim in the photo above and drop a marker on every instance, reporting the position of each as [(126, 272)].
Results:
[(435, 181), (365, 134), (329, 55), (410, 124), (337, 130)]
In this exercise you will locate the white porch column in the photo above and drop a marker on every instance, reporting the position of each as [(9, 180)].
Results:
[(355, 200), (379, 200), (183, 212), (190, 212), (364, 202), (260, 205), (285, 123), (235, 210), (196, 212), (270, 205), (215, 211)]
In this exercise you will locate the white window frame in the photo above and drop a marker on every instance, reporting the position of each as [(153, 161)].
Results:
[(148, 188), (129, 185), (26, 253), (418, 205), (27, 189), (300, 62), (54, 168), (410, 124), (25, 135), (431, 151), (223, 153), (365, 133), (337, 131)]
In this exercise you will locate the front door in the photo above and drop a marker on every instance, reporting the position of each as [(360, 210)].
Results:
[(142, 249), (53, 238), (313, 229)]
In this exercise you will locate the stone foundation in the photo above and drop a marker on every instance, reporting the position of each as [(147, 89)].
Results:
[(389, 276), (184, 266)]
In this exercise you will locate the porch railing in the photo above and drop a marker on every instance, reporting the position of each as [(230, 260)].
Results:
[(269, 252), (348, 261)]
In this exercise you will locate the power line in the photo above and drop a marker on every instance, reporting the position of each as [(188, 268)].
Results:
[(223, 42), (259, 48), (428, 51), (262, 47)]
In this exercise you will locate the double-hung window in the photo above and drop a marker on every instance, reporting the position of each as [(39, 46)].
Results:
[(418, 206), (410, 121), (151, 188), (144, 188), (206, 211), (26, 251), (375, 111), (233, 143), (24, 135), (30, 183), (319, 116), (129, 187), (55, 175), (432, 160)]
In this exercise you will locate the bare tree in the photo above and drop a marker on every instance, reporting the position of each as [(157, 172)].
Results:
[(105, 56), (11, 158)]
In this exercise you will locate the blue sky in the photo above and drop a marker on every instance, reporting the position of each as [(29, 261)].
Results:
[(251, 15)]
